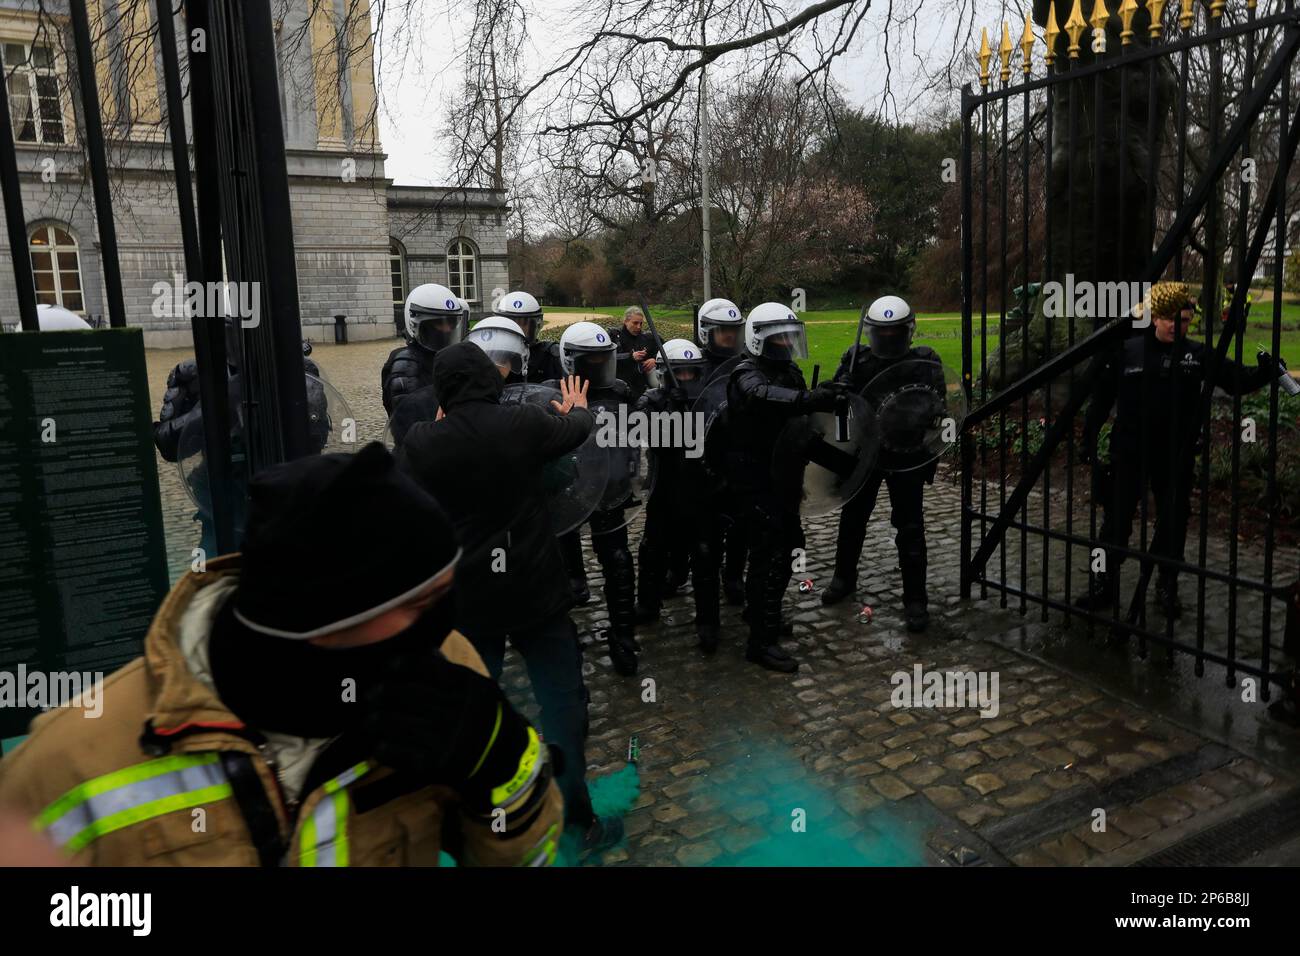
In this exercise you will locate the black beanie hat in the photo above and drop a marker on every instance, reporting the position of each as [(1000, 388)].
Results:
[(334, 540)]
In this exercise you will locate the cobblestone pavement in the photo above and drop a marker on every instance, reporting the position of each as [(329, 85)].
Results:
[(734, 759)]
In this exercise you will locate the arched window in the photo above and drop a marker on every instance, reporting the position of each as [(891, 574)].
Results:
[(397, 270), (56, 266), (462, 272)]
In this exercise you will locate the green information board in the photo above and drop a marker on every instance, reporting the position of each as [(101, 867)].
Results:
[(82, 555)]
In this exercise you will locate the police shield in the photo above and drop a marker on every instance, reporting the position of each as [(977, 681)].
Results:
[(919, 406), (631, 469), (574, 482), (420, 406), (711, 410), (331, 427), (811, 464)]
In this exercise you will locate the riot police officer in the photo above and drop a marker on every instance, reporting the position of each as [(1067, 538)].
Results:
[(588, 351), (670, 520), (764, 392), (505, 344), (890, 325), (525, 311), (435, 318)]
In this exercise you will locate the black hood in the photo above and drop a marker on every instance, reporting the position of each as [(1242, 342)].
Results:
[(464, 373)]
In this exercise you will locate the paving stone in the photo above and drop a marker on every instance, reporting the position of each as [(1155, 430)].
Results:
[(921, 775), (945, 798), (985, 783), (967, 737), (977, 813), (963, 761), (895, 760), (1166, 809), (857, 799), (1133, 822), (891, 787), (698, 854), (1067, 850), (1024, 797)]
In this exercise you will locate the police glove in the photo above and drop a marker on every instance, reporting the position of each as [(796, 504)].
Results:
[(821, 399), (446, 724), (1269, 364)]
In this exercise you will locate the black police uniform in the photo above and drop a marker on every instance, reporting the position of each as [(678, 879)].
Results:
[(762, 396), (609, 541), (408, 369), (906, 493), (544, 362), (1142, 371), (628, 369)]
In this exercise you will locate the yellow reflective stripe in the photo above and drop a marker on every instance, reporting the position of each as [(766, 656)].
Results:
[(118, 778), (543, 852), (491, 740), (324, 836), (529, 766), (125, 818)]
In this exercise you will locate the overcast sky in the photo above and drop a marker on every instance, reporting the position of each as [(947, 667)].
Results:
[(415, 82)]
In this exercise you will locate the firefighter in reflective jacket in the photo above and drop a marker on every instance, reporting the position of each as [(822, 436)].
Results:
[(328, 716)]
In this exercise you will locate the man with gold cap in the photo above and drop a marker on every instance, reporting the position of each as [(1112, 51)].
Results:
[(1159, 372)]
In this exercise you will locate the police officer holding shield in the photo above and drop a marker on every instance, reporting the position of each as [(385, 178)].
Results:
[(764, 392), (890, 325)]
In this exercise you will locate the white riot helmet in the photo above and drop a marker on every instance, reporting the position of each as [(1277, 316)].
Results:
[(890, 324), (773, 331), (524, 309), (434, 317), (586, 350), (719, 326), (688, 363), (504, 343), (55, 318)]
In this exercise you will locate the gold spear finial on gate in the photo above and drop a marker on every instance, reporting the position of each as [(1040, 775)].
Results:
[(1074, 26), (1004, 51), (1187, 15), (1050, 33), (985, 53), (1099, 15), (1216, 8), (1027, 46), (1127, 11), (1157, 10)]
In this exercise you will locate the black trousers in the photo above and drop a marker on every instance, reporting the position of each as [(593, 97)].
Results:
[(907, 515), (609, 541), (774, 534), (553, 658), (1172, 489)]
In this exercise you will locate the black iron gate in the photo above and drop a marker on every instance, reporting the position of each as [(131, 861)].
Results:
[(1158, 146)]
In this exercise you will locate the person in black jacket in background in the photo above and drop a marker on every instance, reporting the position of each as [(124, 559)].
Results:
[(635, 350), (484, 462)]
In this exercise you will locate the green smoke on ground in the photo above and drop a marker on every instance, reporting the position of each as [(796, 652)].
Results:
[(611, 796), (782, 816)]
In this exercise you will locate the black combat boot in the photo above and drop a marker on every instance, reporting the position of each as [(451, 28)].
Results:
[(785, 628), (915, 599), (708, 636), (1102, 593), (581, 593), (1167, 597), (838, 589), (734, 591)]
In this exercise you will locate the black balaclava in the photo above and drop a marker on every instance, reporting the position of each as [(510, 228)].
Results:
[(294, 687)]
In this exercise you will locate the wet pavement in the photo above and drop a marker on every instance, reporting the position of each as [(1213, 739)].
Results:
[(1087, 754)]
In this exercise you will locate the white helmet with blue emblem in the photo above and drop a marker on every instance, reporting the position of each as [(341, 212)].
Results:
[(524, 309), (773, 331), (504, 343), (718, 327), (587, 350), (890, 324), (435, 317)]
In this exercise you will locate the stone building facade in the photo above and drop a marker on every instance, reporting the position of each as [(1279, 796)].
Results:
[(361, 242)]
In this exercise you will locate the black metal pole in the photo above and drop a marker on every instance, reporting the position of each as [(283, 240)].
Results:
[(15, 220), (276, 221), (86, 79), (214, 397)]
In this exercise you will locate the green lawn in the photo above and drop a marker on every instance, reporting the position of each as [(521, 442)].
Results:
[(832, 331)]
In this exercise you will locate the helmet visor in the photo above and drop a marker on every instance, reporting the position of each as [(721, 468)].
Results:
[(529, 324), (595, 367), (690, 378), (721, 340), (782, 341), (890, 341), (505, 348), (437, 330)]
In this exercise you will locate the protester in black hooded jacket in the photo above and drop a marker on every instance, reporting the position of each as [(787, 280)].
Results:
[(484, 462)]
